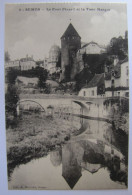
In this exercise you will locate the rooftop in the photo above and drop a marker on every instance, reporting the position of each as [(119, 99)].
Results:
[(98, 78), (92, 42), (70, 31)]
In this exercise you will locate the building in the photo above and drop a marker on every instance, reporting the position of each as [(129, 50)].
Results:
[(27, 63), (70, 44), (117, 78), (95, 88), (54, 55), (92, 48), (12, 64), (45, 64), (40, 63)]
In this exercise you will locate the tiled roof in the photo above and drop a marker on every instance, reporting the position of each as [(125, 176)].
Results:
[(98, 78), (92, 42), (125, 60), (70, 31)]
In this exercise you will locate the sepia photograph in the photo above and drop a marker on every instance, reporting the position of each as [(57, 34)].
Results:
[(66, 96)]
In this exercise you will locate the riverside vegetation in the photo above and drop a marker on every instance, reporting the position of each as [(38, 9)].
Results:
[(34, 139)]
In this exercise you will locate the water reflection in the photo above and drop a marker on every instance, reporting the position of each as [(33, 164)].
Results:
[(72, 155), (90, 156), (93, 150), (92, 147)]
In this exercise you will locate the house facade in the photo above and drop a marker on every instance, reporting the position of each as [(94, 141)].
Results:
[(95, 87), (54, 55), (117, 79), (13, 64), (92, 48), (27, 63)]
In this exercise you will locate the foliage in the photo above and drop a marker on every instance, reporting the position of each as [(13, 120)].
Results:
[(42, 75), (12, 75), (95, 62), (118, 46), (83, 78), (11, 99), (47, 88), (116, 88), (59, 61), (12, 94), (7, 56), (38, 72)]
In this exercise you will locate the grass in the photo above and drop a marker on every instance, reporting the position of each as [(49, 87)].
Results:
[(34, 136)]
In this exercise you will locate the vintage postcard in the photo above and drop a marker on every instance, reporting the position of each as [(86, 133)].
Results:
[(67, 96)]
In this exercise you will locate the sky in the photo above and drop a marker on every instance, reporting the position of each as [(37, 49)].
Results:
[(34, 32)]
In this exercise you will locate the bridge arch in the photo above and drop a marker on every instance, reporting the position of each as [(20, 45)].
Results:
[(21, 101), (80, 104)]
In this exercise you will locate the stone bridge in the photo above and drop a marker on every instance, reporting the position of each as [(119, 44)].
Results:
[(94, 108)]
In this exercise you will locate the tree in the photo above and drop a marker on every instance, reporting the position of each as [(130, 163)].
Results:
[(11, 99), (42, 74), (7, 56), (118, 46), (12, 94), (12, 75)]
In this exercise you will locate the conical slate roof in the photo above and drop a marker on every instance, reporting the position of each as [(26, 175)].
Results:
[(70, 31), (72, 179)]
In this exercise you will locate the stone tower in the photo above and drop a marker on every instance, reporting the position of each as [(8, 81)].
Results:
[(70, 44)]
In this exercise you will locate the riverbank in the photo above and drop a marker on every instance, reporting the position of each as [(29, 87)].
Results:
[(34, 136), (121, 122)]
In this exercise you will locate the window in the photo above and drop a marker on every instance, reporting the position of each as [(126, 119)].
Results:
[(84, 93), (118, 93), (127, 71), (112, 83), (92, 92), (108, 68), (127, 94), (127, 82)]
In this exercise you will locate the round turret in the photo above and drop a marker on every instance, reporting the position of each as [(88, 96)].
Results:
[(54, 53)]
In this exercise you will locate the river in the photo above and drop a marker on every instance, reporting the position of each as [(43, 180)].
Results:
[(93, 158)]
